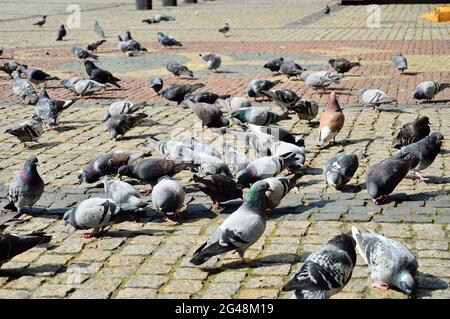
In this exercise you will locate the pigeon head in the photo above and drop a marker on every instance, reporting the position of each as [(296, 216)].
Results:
[(128, 34), (160, 35), (126, 170), (224, 122), (15, 74), (69, 217), (299, 141), (423, 120), (118, 38), (436, 139), (361, 91), (43, 94), (31, 162), (405, 282), (246, 176), (333, 103), (331, 61), (334, 178), (256, 196), (239, 114)]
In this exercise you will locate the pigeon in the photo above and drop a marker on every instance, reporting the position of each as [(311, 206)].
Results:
[(36, 76), (100, 75), (400, 62), (177, 92), (96, 213), (383, 177), (158, 18), (331, 121), (128, 46), (209, 114), (412, 132), (235, 160), (237, 102), (82, 87), (173, 150), (12, 245), (342, 65), (209, 165), (127, 36), (264, 167), (340, 169), (23, 89), (280, 187), (122, 107), (93, 46), (178, 69), (107, 164), (255, 87), (213, 61), (26, 187), (291, 69), (320, 80), (46, 109), (225, 28), (9, 67), (327, 10), (168, 197), (119, 125), (426, 150), (240, 230), (121, 192), (375, 97), (391, 264), (220, 188), (28, 131), (305, 109), (258, 116), (200, 147), (61, 33), (81, 53), (428, 89), (156, 83), (274, 65), (260, 142), (98, 29), (149, 170), (326, 271), (279, 148), (1, 51), (278, 133), (206, 97), (284, 98), (167, 41), (41, 21)]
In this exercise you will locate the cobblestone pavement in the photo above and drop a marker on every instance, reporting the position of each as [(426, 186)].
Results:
[(149, 257)]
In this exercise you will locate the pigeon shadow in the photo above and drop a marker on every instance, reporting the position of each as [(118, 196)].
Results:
[(312, 171), (226, 72), (43, 145), (121, 233), (350, 189), (345, 142), (313, 124), (436, 101), (66, 128), (423, 196), (432, 179), (14, 273), (427, 283)]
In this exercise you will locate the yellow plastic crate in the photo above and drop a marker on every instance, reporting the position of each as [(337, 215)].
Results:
[(440, 14)]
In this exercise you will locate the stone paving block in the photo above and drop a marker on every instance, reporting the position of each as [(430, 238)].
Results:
[(264, 282), (189, 273), (183, 286), (230, 276), (258, 293), (146, 281), (14, 294), (90, 294), (52, 290), (136, 293), (25, 283)]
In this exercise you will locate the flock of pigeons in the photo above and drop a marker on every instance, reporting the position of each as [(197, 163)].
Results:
[(223, 174)]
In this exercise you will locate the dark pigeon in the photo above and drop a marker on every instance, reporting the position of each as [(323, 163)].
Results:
[(36, 76), (119, 125), (291, 69), (219, 188), (100, 75), (61, 33), (92, 46), (258, 116), (274, 65), (156, 83), (167, 41), (206, 97), (284, 98), (81, 53), (28, 131), (255, 87), (209, 114), (412, 132), (178, 69), (41, 21), (177, 92), (342, 65)]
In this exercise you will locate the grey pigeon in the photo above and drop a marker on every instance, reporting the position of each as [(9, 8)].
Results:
[(128, 46), (340, 169), (278, 133), (61, 33), (400, 62), (12, 245), (259, 142), (290, 69), (93, 45), (264, 167), (168, 197), (119, 125), (100, 75), (342, 65), (240, 230), (177, 92), (320, 80), (279, 148), (81, 53), (235, 160), (220, 188), (156, 83), (284, 98), (255, 87), (167, 41), (412, 132), (428, 89), (122, 107), (326, 271), (121, 192), (201, 148), (426, 150), (279, 188), (305, 109), (206, 97), (127, 36), (23, 89), (41, 20), (213, 61), (209, 114), (82, 87), (36, 76), (258, 116), (274, 65), (178, 69), (46, 109), (26, 187), (237, 103), (28, 131), (225, 28), (209, 165), (173, 150), (158, 18), (107, 164), (390, 262), (96, 213), (382, 178), (9, 67), (375, 97), (98, 29)]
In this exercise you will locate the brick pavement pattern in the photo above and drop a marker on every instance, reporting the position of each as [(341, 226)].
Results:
[(149, 257)]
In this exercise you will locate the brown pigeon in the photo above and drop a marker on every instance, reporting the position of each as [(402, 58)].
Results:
[(331, 121)]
